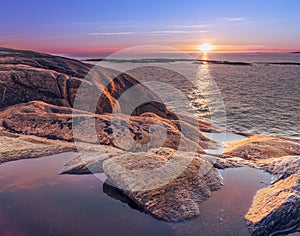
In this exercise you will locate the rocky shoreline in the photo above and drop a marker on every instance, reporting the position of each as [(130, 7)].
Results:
[(37, 117)]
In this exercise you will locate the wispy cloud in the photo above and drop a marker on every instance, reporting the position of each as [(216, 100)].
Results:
[(193, 26), (56, 37), (111, 33), (176, 31), (154, 32), (10, 38), (232, 19)]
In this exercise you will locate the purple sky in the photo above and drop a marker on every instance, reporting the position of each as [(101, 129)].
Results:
[(105, 26)]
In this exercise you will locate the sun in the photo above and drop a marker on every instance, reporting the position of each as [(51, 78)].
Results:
[(205, 47)]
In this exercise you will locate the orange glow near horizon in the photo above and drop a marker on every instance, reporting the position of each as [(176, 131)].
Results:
[(236, 48), (188, 48)]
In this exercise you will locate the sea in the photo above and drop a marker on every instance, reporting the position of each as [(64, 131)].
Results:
[(263, 97), (259, 92)]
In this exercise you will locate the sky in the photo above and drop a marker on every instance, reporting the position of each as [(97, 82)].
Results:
[(105, 26)]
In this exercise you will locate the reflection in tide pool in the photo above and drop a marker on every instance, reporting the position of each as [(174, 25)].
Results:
[(36, 200)]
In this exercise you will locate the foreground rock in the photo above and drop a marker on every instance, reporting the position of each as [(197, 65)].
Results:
[(280, 167), (263, 147), (276, 208), (170, 185), (91, 161), (131, 133), (278, 156), (153, 182), (16, 147)]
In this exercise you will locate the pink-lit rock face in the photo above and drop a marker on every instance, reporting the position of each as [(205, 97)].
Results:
[(276, 208), (55, 122), (28, 76)]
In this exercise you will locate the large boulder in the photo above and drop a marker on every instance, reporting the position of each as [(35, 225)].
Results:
[(276, 208), (167, 184)]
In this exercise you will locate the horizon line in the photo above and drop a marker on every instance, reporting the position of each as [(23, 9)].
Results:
[(112, 51)]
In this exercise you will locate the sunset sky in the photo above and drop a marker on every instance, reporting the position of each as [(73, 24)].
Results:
[(68, 27)]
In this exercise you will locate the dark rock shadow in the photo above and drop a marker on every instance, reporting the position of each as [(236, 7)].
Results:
[(117, 194)]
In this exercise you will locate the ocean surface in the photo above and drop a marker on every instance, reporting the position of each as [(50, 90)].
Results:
[(262, 97), (260, 91)]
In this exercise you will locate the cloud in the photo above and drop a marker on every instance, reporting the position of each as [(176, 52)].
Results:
[(111, 33), (155, 32), (232, 19), (175, 31), (193, 26), (5, 38)]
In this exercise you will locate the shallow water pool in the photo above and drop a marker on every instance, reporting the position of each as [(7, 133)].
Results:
[(36, 200)]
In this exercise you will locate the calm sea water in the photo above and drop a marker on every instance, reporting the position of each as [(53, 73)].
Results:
[(262, 97)]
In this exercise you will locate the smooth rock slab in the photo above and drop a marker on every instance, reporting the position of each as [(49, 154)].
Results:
[(260, 147), (15, 147), (152, 180), (90, 161)]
